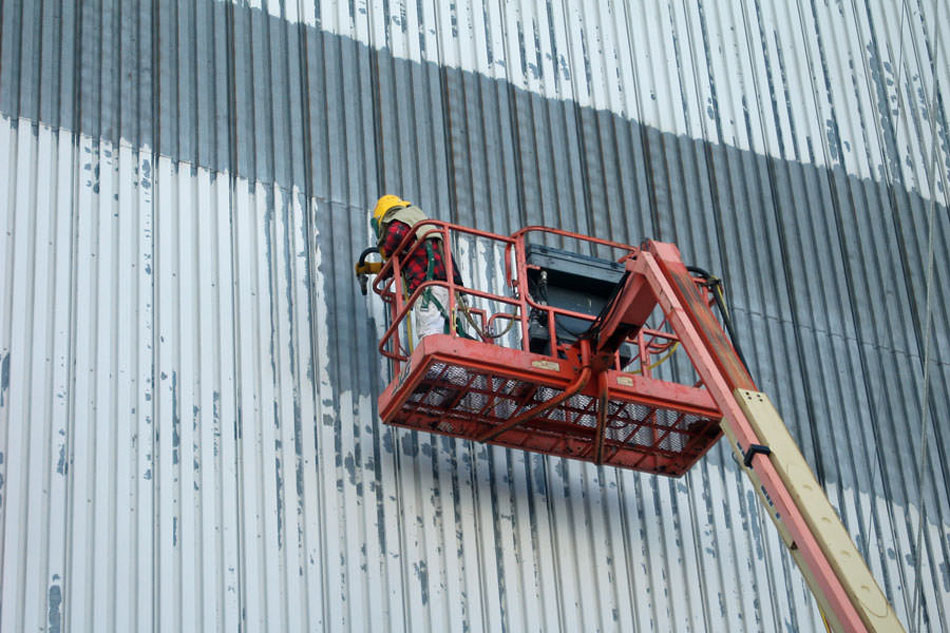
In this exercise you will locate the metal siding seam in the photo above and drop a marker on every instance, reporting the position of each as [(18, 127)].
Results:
[(146, 394), (533, 582), (615, 552), (25, 337), (925, 404), (119, 195), (841, 254), (863, 356), (334, 556), (499, 151), (16, 362), (167, 347), (699, 568), (27, 382), (581, 222), (295, 267), (205, 414), (360, 600), (283, 403), (107, 370), (642, 164), (320, 516), (188, 399), (587, 517), (269, 205), (304, 226), (940, 112), (60, 353), (242, 321), (229, 412), (74, 600), (306, 421), (788, 294)]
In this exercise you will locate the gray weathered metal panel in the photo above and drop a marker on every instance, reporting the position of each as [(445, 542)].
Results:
[(188, 437)]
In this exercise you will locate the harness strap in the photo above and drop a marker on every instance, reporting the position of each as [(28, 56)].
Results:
[(430, 255)]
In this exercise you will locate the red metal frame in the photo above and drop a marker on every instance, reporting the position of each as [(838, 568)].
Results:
[(587, 408)]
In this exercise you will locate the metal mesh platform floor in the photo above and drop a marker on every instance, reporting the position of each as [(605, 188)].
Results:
[(466, 397)]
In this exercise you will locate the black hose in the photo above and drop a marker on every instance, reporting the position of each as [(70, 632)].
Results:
[(711, 281), (366, 251), (729, 328), (362, 262), (593, 331)]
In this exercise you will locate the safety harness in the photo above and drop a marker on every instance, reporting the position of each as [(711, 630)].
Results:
[(427, 233)]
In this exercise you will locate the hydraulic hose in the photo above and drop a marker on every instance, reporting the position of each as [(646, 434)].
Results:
[(362, 268), (716, 283), (579, 383), (575, 386), (366, 251)]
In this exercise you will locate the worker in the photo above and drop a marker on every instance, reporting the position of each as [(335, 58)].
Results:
[(393, 218)]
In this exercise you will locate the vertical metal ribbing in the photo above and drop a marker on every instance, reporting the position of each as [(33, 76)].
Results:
[(233, 168), (685, 134)]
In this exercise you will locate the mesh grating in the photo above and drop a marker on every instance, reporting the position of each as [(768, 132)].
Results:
[(459, 401)]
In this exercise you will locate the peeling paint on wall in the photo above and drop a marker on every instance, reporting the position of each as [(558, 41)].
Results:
[(225, 199)]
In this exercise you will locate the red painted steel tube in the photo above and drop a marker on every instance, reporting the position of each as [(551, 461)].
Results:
[(389, 266), (391, 272), (520, 234), (449, 274), (602, 400), (399, 316)]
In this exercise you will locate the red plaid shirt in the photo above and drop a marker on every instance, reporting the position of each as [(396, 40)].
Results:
[(416, 265)]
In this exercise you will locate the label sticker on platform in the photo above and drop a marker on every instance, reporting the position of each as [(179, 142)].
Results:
[(625, 380), (546, 364), (404, 374)]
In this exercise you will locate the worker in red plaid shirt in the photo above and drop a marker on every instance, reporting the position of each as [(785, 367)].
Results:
[(393, 219)]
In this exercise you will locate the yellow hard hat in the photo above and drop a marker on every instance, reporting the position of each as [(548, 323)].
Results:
[(387, 202)]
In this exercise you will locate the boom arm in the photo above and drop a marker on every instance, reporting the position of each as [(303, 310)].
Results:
[(839, 578)]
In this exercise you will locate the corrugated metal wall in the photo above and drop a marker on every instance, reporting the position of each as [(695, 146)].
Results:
[(188, 438)]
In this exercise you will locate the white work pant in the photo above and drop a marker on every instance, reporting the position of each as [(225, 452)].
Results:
[(428, 319)]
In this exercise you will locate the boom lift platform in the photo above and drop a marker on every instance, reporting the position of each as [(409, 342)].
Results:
[(560, 360)]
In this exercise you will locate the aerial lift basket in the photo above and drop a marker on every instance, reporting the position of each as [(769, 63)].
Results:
[(547, 386)]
